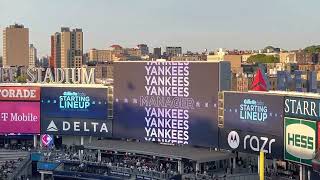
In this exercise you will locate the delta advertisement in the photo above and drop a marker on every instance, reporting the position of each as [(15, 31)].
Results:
[(83, 127), (167, 102), (260, 113), (243, 141), (20, 117), (20, 93), (75, 111), (67, 102)]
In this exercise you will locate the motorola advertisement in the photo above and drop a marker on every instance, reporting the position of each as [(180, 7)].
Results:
[(248, 142), (167, 102)]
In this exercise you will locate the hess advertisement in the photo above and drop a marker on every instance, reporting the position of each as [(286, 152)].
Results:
[(168, 102), (65, 102), (20, 117), (254, 113), (243, 141), (300, 140)]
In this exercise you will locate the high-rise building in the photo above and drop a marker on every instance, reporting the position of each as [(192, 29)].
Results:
[(16, 46), (55, 59), (173, 51), (67, 48), (71, 48), (157, 53), (32, 56)]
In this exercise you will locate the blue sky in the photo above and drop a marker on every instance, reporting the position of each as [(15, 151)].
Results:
[(192, 24)]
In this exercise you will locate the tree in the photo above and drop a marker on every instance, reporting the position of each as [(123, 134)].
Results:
[(262, 58), (21, 79), (312, 49)]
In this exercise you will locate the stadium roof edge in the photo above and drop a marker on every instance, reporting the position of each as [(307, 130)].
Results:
[(281, 93), (56, 85), (175, 152)]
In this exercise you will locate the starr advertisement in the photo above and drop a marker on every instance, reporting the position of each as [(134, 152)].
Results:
[(20, 117), (304, 108), (168, 102), (301, 132)]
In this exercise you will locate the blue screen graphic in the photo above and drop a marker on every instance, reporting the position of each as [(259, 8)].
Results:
[(65, 102)]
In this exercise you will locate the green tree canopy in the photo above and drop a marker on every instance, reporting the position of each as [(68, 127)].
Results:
[(262, 58), (21, 79), (312, 49)]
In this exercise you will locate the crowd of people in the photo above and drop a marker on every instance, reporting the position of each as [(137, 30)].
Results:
[(8, 167), (141, 163), (126, 162), (87, 168)]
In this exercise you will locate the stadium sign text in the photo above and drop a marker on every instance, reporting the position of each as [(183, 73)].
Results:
[(250, 142), (79, 126), (300, 140), (19, 93), (253, 110), (50, 75), (74, 100)]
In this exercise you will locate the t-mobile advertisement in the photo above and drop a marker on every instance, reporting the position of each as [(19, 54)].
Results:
[(168, 102), (67, 102), (260, 113), (20, 117)]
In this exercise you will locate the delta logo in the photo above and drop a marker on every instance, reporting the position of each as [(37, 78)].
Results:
[(253, 110), (74, 101), (300, 140), (78, 126)]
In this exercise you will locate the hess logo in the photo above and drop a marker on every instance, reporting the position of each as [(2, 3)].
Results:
[(253, 143), (300, 140)]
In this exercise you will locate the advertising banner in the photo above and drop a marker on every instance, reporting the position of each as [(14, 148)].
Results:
[(255, 113), (19, 93), (248, 142), (66, 102), (47, 140), (20, 117), (300, 140), (76, 127), (303, 108), (169, 102)]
